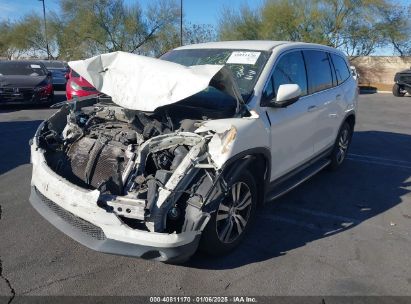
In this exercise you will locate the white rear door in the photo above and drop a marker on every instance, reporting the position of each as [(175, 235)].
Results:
[(326, 97)]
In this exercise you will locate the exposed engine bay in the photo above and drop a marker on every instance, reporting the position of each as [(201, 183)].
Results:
[(151, 169)]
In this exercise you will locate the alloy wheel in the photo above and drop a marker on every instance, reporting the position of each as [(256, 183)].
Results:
[(233, 213), (343, 143)]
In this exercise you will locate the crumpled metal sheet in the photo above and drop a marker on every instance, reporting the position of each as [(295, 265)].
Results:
[(142, 83)]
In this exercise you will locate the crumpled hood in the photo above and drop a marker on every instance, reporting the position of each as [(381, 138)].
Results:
[(143, 83)]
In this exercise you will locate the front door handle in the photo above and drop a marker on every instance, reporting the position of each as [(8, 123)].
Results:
[(311, 108)]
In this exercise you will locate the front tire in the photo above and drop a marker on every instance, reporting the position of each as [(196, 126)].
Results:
[(232, 217), (341, 146), (396, 91)]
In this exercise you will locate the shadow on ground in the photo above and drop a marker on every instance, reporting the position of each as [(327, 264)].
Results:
[(329, 203), (14, 143), (367, 90)]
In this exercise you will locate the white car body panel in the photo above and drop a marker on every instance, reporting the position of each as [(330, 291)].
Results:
[(292, 132), (328, 111), (321, 125), (233, 136), (333, 106)]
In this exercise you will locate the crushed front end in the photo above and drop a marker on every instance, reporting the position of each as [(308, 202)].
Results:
[(123, 181)]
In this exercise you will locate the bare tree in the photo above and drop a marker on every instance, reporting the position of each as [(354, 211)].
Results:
[(358, 27)]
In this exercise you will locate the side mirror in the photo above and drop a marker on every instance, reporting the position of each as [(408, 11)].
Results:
[(286, 95), (49, 74), (67, 75)]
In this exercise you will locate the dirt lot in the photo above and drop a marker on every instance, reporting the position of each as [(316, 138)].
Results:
[(342, 233)]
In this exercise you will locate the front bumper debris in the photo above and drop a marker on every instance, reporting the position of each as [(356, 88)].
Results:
[(94, 238), (74, 211)]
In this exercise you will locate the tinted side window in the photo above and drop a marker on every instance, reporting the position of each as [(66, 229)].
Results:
[(341, 68), (268, 92), (290, 69), (318, 70)]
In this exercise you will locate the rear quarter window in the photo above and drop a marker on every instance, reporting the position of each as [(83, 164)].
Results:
[(341, 69)]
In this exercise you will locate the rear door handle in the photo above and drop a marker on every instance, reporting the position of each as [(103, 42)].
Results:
[(338, 97), (311, 108)]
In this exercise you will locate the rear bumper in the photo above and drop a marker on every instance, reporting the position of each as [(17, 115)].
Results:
[(404, 84), (94, 238), (59, 86), (33, 99), (59, 81)]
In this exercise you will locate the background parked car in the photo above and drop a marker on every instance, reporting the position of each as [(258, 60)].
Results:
[(402, 83), (25, 82), (78, 86), (58, 69)]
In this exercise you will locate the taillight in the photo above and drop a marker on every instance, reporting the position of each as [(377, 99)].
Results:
[(49, 88), (45, 90)]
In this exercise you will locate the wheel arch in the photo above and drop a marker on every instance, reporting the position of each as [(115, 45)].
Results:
[(350, 118), (259, 166)]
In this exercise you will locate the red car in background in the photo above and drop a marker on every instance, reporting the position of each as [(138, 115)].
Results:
[(78, 86)]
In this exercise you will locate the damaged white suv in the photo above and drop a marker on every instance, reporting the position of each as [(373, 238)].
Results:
[(188, 145)]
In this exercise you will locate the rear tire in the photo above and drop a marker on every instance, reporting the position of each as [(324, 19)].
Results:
[(232, 218), (396, 91), (341, 146)]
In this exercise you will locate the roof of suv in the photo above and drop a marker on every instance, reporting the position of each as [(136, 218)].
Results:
[(258, 45)]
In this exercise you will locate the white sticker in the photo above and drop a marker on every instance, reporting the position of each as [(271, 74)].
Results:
[(35, 66), (243, 57)]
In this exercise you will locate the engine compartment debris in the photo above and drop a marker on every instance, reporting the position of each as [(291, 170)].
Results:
[(151, 169)]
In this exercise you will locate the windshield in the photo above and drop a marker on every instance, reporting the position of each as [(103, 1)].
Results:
[(21, 68), (244, 65), (54, 64)]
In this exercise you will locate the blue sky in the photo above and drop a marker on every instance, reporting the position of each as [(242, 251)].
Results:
[(195, 11)]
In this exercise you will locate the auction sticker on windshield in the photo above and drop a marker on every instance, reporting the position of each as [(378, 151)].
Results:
[(243, 57)]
